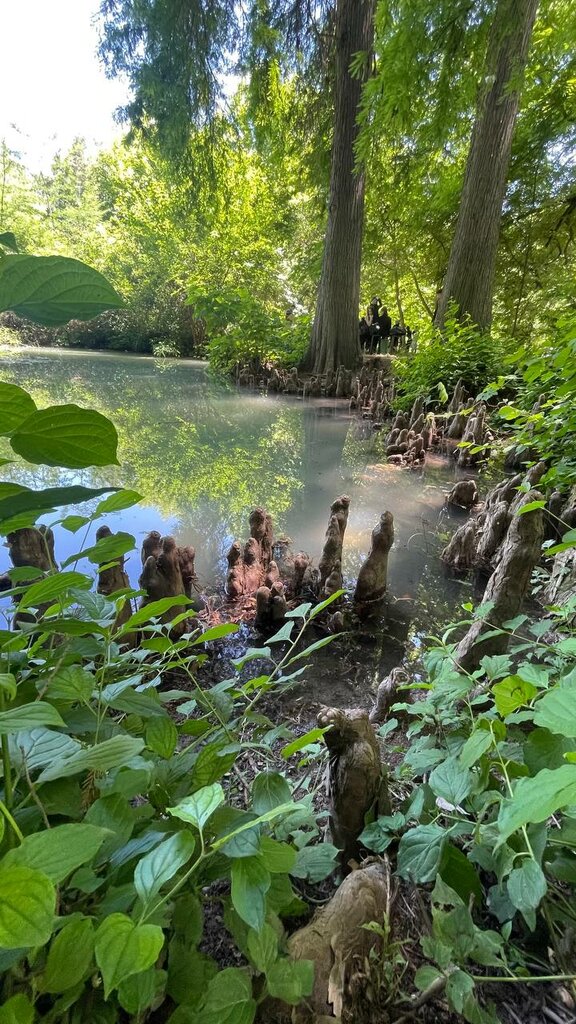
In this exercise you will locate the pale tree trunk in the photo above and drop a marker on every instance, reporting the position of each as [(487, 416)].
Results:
[(469, 278), (335, 339), (397, 278)]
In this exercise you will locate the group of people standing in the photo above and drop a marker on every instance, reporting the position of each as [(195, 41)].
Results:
[(379, 334)]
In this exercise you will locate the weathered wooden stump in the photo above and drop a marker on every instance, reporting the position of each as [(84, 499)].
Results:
[(355, 781), (387, 695), (464, 494), (332, 551), (507, 586), (338, 943), (161, 578), (371, 583), (112, 579)]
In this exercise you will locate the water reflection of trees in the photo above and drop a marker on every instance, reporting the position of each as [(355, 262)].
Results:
[(194, 450)]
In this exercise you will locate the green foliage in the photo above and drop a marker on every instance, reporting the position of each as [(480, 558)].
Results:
[(114, 810), (460, 351), (52, 289), (541, 421), (492, 821), (243, 329), (126, 873)]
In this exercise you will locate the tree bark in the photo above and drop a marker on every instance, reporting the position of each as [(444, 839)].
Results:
[(469, 278), (334, 341)]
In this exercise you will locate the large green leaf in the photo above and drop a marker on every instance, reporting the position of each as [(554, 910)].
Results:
[(512, 693), (106, 549), (314, 863), (28, 717), (459, 872), (71, 683), (124, 948), (303, 741), (263, 947), (196, 809), (379, 834), (58, 851), (527, 885), (69, 957), (27, 907), (250, 883), (16, 405), (153, 610), (139, 991), (8, 685), (47, 499), (535, 799), (66, 435), (478, 742), (291, 980), (161, 736), (161, 864), (229, 999), (216, 633), (556, 711), (17, 1010), (118, 502), (52, 587), (42, 746), (420, 852), (269, 789), (451, 781), (279, 858), (101, 757), (51, 290), (214, 760)]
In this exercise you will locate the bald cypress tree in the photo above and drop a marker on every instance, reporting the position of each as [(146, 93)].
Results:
[(334, 340), (175, 56), (469, 280)]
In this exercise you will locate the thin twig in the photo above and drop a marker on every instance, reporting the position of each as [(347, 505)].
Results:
[(33, 792), (433, 990)]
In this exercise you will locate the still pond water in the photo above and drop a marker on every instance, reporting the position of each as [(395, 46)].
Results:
[(203, 454)]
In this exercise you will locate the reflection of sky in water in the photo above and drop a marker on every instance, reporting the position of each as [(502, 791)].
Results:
[(203, 455)]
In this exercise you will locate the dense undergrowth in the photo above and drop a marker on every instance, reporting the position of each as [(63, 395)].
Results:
[(459, 352), (127, 814)]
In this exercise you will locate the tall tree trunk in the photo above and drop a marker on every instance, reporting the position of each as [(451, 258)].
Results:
[(470, 275), (334, 341), (397, 278)]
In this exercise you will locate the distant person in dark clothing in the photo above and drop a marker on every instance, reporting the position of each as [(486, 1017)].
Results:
[(365, 335), (370, 327), (397, 332), (385, 324), (374, 324), (374, 307)]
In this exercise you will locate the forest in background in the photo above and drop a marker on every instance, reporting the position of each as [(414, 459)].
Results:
[(211, 232), (163, 830)]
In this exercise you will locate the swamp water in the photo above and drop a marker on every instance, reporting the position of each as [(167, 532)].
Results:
[(203, 454)]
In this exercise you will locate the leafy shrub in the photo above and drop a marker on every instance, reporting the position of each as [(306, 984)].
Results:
[(242, 329), (113, 807), (460, 351), (493, 825), (116, 832), (142, 324), (542, 415)]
